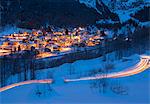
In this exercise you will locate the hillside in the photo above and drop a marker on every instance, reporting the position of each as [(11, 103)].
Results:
[(35, 13)]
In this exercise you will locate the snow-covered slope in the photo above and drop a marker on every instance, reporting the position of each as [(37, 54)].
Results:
[(77, 93), (89, 3), (11, 29), (124, 8), (101, 8), (82, 92)]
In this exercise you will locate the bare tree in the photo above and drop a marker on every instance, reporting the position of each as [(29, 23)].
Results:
[(100, 84), (118, 88)]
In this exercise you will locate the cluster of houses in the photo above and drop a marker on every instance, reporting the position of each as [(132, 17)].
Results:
[(49, 42)]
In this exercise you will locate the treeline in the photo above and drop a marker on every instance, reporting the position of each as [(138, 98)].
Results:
[(21, 64)]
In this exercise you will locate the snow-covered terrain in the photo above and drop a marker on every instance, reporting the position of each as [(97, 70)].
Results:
[(124, 8), (11, 29), (83, 92), (136, 90), (50, 85), (81, 67)]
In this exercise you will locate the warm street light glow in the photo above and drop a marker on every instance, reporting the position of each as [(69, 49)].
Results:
[(56, 41)]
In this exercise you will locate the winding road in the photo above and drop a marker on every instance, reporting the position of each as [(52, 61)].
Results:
[(138, 68)]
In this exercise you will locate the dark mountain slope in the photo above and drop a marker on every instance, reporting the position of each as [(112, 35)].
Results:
[(34, 13), (143, 15)]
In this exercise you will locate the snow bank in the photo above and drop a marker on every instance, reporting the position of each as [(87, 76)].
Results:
[(10, 30)]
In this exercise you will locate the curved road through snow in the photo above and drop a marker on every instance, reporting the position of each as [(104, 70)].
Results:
[(138, 68), (25, 82)]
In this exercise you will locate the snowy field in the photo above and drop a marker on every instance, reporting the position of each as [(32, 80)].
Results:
[(76, 93), (131, 90)]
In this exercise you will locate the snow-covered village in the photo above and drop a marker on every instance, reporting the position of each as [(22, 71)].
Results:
[(74, 52)]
